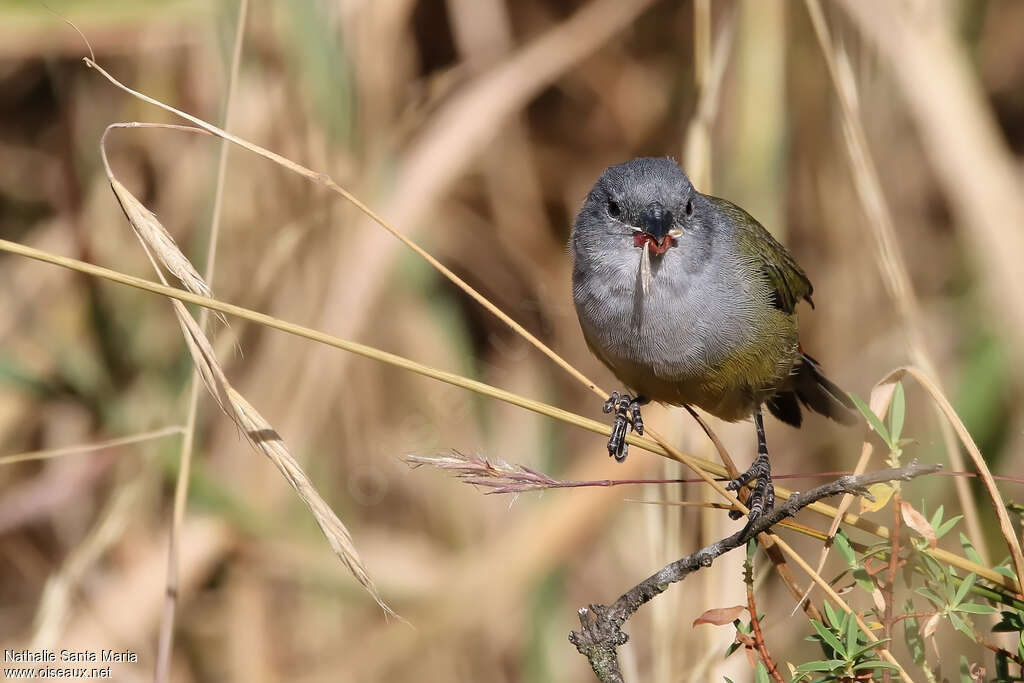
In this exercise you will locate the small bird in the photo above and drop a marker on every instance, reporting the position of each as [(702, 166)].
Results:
[(689, 301)]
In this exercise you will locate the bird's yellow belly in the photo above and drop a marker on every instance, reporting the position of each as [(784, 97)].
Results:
[(728, 388)]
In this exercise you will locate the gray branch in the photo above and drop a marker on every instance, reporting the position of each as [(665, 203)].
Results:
[(600, 631)]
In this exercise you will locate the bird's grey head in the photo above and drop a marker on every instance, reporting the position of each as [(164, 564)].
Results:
[(644, 205)]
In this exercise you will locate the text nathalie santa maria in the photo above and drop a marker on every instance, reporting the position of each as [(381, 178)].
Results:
[(70, 656)]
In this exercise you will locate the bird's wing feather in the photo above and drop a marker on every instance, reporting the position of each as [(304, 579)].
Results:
[(785, 277)]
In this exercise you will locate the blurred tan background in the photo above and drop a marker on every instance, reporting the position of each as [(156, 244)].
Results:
[(475, 126)]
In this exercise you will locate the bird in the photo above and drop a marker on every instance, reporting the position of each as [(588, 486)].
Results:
[(689, 300)]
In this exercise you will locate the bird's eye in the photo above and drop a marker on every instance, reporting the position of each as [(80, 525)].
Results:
[(613, 208), (689, 207)]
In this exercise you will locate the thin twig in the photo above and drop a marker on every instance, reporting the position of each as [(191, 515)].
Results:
[(723, 452), (1014, 657), (600, 631), (889, 593), (755, 622)]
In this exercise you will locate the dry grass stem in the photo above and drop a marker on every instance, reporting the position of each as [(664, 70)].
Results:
[(165, 641), (92, 447)]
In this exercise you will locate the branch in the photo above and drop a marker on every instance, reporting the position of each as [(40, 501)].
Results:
[(600, 634), (755, 621)]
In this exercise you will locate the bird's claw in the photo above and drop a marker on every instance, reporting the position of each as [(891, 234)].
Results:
[(762, 497), (627, 417)]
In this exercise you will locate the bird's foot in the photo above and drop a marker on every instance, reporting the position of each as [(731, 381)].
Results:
[(762, 497), (627, 416)]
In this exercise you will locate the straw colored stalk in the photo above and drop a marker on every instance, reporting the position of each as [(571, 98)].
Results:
[(163, 252)]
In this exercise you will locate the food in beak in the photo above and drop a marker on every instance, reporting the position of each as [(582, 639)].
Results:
[(649, 241)]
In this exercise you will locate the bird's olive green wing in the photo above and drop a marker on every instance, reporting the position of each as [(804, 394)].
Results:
[(785, 277)]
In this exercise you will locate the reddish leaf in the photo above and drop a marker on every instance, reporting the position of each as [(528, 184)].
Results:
[(720, 616), (916, 521)]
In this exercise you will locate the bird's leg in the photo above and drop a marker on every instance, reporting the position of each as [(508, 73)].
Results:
[(627, 416), (762, 498)]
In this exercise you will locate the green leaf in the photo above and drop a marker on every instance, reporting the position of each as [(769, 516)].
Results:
[(975, 608), (852, 631), (969, 550), (1005, 571), (965, 586), (821, 665), (761, 674), (960, 624), (860, 575), (829, 638), (855, 654), (842, 544), (845, 549), (872, 419), (875, 665), (931, 597), (936, 519), (897, 413), (946, 526), (931, 566), (833, 615)]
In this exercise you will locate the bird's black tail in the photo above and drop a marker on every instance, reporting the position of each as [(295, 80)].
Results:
[(815, 391)]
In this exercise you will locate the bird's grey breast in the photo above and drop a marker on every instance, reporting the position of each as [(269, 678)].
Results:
[(694, 315)]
